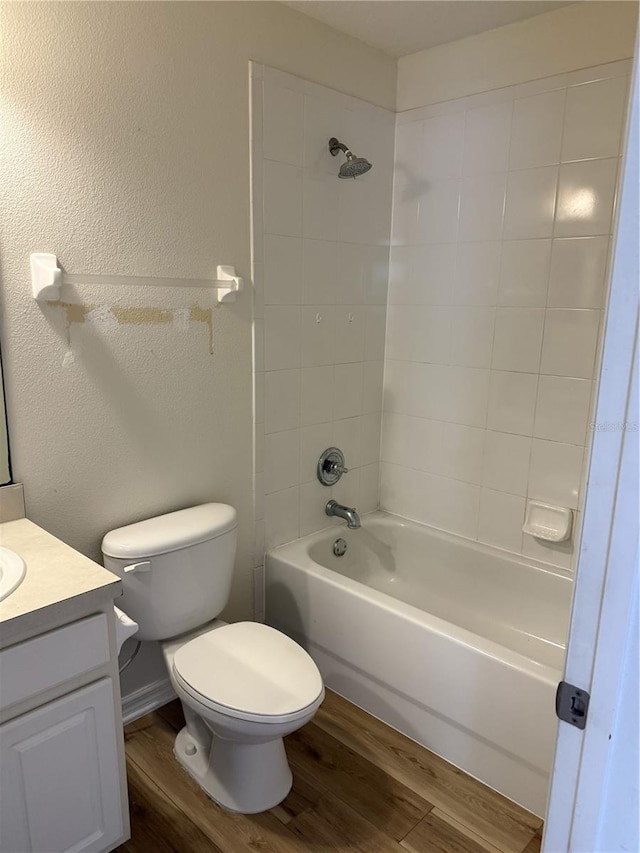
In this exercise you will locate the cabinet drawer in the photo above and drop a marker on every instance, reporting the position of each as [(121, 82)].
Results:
[(53, 658)]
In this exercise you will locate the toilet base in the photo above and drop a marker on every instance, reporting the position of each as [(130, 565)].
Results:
[(240, 777)]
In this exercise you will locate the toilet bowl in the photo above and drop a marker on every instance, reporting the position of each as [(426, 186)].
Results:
[(243, 686)]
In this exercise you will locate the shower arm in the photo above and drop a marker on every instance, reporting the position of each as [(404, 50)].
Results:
[(335, 146)]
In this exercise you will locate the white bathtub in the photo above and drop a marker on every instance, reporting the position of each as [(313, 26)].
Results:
[(456, 644)]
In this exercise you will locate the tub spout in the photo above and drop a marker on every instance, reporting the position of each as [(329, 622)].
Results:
[(348, 513)]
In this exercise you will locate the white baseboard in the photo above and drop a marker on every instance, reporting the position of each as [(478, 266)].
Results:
[(146, 699)]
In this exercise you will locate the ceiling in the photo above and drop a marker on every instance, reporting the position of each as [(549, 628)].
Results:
[(400, 27)]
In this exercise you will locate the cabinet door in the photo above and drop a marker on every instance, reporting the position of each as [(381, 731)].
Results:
[(59, 776)]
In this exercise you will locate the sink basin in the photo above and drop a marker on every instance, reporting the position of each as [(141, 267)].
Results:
[(12, 571)]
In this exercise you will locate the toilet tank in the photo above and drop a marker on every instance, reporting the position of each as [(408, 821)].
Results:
[(176, 569)]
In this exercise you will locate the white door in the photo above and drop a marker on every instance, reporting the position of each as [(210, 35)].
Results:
[(59, 778), (593, 802)]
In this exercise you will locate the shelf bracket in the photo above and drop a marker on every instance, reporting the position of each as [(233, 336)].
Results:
[(226, 275), (46, 277)]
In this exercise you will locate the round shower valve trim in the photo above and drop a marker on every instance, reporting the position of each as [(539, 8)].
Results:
[(331, 466)]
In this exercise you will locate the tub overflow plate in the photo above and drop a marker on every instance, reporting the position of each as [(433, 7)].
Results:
[(340, 547)]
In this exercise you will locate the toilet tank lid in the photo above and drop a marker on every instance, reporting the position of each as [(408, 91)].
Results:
[(170, 532)]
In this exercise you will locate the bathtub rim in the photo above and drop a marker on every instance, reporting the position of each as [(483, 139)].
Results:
[(439, 533)]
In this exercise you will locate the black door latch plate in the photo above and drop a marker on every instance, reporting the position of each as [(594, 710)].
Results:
[(572, 704)]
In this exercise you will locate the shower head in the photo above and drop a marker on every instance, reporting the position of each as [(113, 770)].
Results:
[(354, 166)]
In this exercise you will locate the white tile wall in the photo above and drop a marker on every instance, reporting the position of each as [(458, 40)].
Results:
[(502, 214), (562, 411), (319, 340), (282, 189), (593, 119), (512, 402), (282, 270), (486, 139), (282, 129), (585, 197), (317, 276), (477, 273), (481, 208), (517, 343), (500, 519), (531, 197), (570, 341), (442, 147), (499, 218), (524, 273), (578, 267), (536, 132)]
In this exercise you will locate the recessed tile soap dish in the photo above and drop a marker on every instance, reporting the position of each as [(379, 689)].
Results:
[(548, 522)]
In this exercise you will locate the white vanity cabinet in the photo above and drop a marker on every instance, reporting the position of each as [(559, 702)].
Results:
[(59, 775), (62, 784)]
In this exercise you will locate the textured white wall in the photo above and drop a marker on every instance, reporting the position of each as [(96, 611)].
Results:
[(573, 37), (125, 150), (5, 475)]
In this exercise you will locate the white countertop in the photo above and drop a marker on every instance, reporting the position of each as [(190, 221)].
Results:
[(56, 575)]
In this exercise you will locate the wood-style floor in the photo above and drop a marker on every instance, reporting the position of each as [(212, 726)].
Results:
[(358, 786)]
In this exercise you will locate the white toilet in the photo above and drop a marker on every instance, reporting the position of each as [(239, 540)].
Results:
[(243, 686)]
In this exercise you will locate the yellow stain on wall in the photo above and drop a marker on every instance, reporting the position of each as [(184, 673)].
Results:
[(145, 316), (142, 316), (203, 315)]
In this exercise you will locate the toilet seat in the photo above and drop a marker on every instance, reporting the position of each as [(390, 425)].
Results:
[(249, 671)]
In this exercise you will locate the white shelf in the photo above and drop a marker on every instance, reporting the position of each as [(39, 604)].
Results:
[(47, 279)]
